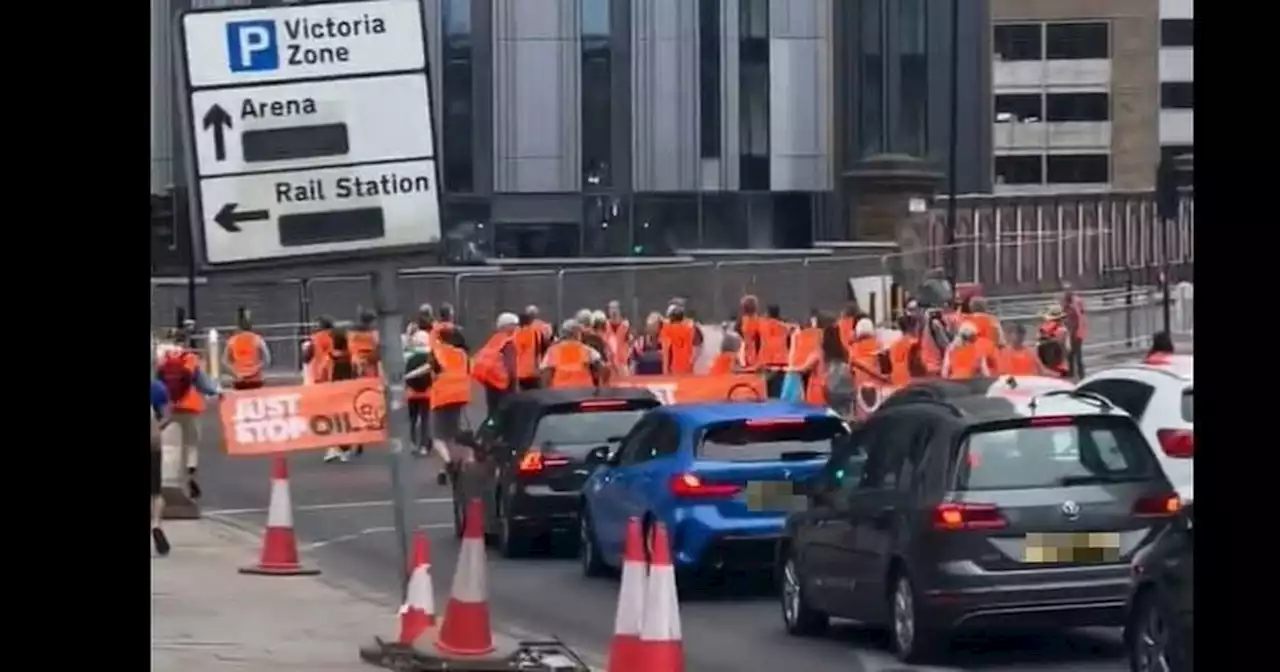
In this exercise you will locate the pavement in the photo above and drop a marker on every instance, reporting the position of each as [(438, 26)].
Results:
[(343, 518)]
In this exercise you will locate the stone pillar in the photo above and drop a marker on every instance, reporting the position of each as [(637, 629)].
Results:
[(893, 198)]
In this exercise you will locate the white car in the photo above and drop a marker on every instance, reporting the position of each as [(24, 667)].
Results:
[(1161, 397)]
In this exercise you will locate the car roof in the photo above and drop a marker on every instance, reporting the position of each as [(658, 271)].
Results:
[(1180, 366), (578, 394), (994, 399), (711, 413)]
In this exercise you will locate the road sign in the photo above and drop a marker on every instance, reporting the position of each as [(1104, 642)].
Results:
[(291, 126), (310, 130)]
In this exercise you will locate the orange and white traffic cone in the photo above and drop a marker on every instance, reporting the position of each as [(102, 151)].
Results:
[(660, 648), (279, 545), (418, 613), (624, 651), (466, 630)]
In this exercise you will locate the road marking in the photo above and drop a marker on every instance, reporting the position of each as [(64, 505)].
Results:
[(333, 506), (371, 530)]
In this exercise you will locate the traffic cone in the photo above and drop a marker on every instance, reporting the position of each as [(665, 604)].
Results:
[(660, 648), (279, 546), (418, 613), (466, 631), (624, 649)]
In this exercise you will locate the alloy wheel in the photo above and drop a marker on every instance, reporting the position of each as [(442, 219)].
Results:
[(904, 616), (790, 594), (1152, 642)]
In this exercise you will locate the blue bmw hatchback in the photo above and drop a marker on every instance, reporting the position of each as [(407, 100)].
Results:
[(722, 477)]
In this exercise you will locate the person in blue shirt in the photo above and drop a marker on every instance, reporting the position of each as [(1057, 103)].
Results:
[(159, 418)]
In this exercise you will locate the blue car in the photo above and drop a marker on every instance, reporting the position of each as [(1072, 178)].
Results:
[(721, 476)]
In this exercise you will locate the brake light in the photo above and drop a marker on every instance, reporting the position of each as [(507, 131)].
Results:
[(1179, 443), (533, 461), (1159, 506), (691, 486), (1050, 421), (775, 422), (595, 405), (952, 516)]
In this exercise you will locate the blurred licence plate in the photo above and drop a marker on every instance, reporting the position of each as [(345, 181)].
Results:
[(1078, 547), (771, 496)]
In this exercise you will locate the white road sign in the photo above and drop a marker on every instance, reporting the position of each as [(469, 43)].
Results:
[(250, 46), (338, 209), (288, 165), (311, 124)]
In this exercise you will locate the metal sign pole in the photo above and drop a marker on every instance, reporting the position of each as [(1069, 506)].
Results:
[(400, 460)]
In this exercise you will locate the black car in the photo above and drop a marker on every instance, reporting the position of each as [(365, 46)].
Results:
[(949, 509), (1160, 630), (531, 459)]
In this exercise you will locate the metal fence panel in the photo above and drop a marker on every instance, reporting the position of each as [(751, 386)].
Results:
[(482, 296), (784, 282), (416, 289), (641, 289), (339, 298)]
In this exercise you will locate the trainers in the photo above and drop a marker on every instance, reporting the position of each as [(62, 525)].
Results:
[(161, 541), (192, 486), (332, 455)]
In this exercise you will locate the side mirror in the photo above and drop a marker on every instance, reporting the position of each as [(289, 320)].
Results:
[(598, 455)]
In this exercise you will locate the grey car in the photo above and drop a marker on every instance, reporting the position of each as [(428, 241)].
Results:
[(952, 508)]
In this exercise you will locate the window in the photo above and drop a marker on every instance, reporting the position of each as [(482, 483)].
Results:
[(1177, 33), (709, 78), (535, 240), (871, 71), (1189, 405), (1170, 152), (723, 226), (1177, 95), (663, 224), (1089, 451), (753, 94), (1075, 41), (1018, 42), (606, 226), (1077, 107), (1078, 169), (468, 236), (911, 124), (1019, 107), (597, 95), (456, 85), (1130, 395), (746, 442), (575, 434), (1020, 169), (792, 220)]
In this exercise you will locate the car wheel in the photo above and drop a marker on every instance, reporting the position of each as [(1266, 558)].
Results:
[(913, 643), (593, 564), (511, 543), (797, 615), (1148, 637)]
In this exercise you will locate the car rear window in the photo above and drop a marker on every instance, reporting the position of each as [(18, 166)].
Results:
[(1052, 452), (577, 428), (768, 440), (1188, 405)]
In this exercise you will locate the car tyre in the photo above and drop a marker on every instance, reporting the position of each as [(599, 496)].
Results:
[(593, 564), (511, 543), (799, 618), (1148, 637), (913, 642)]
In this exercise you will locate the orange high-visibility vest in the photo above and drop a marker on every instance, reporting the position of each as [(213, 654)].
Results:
[(570, 363), (677, 347), (965, 360), (487, 367), (528, 341), (321, 351), (722, 364), (453, 385), (804, 344), (244, 351), (750, 340), (1017, 362), (773, 342), (364, 352), (900, 360), (618, 338)]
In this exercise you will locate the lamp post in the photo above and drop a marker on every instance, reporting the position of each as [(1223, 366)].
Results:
[(953, 144)]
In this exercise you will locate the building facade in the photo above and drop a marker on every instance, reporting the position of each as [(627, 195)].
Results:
[(614, 127), (1177, 77), (1076, 94)]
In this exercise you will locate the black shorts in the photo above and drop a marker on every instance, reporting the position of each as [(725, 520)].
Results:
[(446, 421), (156, 461)]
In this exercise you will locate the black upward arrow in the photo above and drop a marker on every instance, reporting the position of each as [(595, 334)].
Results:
[(228, 218), (218, 119)]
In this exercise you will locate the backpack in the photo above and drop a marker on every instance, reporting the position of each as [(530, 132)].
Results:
[(412, 361), (175, 375)]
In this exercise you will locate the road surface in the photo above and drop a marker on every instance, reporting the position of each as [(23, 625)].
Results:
[(343, 519)]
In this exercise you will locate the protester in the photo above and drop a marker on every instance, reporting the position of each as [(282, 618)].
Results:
[(450, 395), (417, 391), (246, 355), (494, 367), (187, 386), (340, 365), (646, 351), (159, 419)]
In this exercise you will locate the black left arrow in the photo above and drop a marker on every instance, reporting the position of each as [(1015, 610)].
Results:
[(218, 120), (228, 218)]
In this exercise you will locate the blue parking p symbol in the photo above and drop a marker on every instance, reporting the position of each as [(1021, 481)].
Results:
[(251, 46)]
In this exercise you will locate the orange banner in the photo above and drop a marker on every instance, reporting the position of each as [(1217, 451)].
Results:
[(303, 417), (694, 389)]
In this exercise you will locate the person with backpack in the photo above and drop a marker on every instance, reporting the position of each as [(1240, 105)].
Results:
[(187, 386), (417, 391)]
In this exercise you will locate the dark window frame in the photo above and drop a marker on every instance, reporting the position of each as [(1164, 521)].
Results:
[(1012, 42), (1092, 106), (1061, 45), (457, 84), (1073, 166), (1012, 160), (1177, 95), (1177, 32), (597, 104), (710, 14)]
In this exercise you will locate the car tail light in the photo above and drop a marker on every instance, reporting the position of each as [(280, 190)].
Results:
[(1177, 442), (1159, 506), (967, 516), (534, 461), (601, 404), (691, 486), (775, 422), (1051, 421)]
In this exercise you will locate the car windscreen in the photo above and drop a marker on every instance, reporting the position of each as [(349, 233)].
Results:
[(770, 439), (577, 428), (1188, 405), (1051, 452)]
